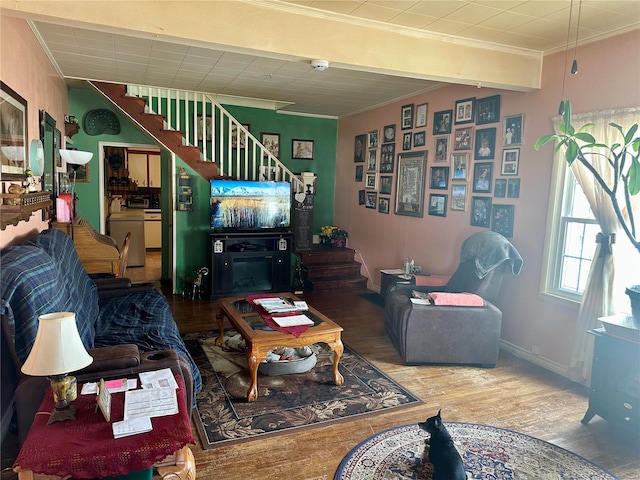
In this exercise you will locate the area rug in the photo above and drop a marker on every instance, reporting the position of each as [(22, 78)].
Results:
[(487, 452), (373, 297), (286, 402)]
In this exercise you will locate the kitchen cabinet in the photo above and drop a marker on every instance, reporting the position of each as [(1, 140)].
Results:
[(144, 168)]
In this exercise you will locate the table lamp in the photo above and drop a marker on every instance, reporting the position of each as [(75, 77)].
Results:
[(75, 158), (57, 351)]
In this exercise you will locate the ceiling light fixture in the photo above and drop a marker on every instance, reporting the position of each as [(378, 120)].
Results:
[(574, 65), (320, 65)]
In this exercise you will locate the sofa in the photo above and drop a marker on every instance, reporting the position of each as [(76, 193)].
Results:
[(126, 327), (452, 334)]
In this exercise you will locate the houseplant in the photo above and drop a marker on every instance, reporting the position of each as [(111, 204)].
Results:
[(622, 157)]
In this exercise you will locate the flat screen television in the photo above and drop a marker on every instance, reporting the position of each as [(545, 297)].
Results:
[(248, 205)]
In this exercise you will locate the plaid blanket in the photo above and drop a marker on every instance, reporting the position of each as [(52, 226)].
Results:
[(45, 275)]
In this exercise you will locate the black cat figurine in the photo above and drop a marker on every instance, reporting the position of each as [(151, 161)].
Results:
[(446, 461)]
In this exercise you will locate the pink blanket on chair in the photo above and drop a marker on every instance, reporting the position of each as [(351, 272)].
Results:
[(456, 299)]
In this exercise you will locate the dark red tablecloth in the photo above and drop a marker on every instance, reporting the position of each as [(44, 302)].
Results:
[(296, 330), (85, 447)]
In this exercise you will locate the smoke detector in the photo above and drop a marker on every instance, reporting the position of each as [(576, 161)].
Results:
[(320, 65)]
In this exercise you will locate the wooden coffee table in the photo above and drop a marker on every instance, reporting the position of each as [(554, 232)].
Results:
[(260, 342)]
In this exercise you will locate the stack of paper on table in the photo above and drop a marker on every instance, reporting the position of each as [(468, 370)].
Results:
[(292, 320), (275, 305)]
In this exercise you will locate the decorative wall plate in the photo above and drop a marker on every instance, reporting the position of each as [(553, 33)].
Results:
[(101, 120), (36, 157), (115, 162)]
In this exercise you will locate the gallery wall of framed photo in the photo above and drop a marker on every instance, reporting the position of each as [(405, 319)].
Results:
[(466, 161)]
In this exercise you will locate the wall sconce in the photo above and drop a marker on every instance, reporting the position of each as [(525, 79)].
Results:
[(57, 351)]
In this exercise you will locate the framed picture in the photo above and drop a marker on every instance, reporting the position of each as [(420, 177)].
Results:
[(204, 127), (406, 141), (464, 110), (410, 181), (372, 160), (502, 220), (500, 188), (271, 141), (482, 177), (373, 139), (302, 149), (371, 199), (439, 178), (383, 204), (82, 175), (462, 138), (442, 122), (370, 182), (419, 139), (488, 110), (385, 184), (438, 204), (359, 173), (407, 117), (387, 157), (389, 133), (481, 211), (267, 174), (361, 197), (238, 136), (512, 130), (459, 197), (441, 147), (359, 148), (421, 115), (485, 146), (510, 161), (459, 166), (104, 400), (13, 133), (513, 188)]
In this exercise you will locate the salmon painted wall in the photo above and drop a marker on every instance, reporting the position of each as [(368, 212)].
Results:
[(384, 240), (39, 84)]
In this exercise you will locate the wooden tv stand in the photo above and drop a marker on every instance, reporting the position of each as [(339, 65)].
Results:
[(248, 262)]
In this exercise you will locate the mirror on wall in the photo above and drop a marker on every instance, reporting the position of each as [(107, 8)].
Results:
[(48, 138)]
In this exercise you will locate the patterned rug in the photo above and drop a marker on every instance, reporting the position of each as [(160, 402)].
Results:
[(285, 402), (487, 452)]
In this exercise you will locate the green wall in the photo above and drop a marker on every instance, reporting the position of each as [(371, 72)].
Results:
[(192, 227)]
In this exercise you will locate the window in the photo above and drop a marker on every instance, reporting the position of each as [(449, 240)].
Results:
[(575, 244), (572, 229)]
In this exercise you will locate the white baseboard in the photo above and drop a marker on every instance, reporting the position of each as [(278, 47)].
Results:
[(539, 360)]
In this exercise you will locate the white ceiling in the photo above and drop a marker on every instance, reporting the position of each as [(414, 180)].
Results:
[(536, 25)]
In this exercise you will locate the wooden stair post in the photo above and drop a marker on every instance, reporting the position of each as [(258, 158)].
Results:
[(330, 268)]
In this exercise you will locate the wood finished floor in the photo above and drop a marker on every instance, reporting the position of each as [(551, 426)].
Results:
[(516, 395)]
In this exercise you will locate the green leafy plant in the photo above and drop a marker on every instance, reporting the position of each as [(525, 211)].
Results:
[(622, 157)]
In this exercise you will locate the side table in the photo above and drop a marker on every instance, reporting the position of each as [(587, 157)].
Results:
[(613, 394), (390, 278), (85, 447)]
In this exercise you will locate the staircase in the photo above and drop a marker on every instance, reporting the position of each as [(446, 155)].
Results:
[(329, 268), (200, 131)]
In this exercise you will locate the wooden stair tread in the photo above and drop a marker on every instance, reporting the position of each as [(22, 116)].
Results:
[(331, 268)]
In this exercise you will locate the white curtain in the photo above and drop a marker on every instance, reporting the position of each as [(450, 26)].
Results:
[(599, 297)]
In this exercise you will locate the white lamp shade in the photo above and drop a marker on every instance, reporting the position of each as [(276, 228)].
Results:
[(76, 157), (58, 348)]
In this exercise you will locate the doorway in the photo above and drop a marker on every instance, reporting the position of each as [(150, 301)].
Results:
[(132, 191)]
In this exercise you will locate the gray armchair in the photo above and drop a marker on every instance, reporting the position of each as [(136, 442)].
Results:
[(454, 334)]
